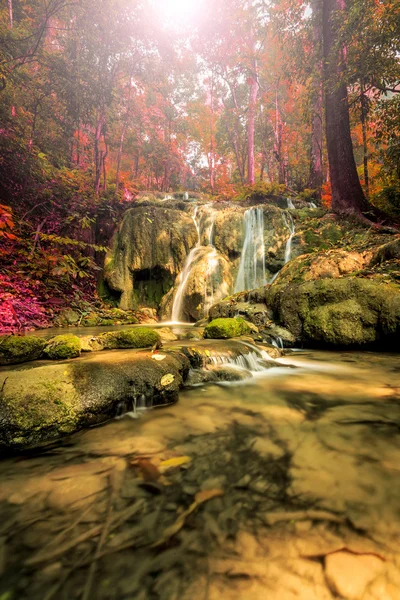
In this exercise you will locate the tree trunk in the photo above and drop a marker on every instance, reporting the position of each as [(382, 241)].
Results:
[(98, 153), (211, 162), (316, 177), (364, 112), (251, 177), (10, 14), (253, 92), (347, 193)]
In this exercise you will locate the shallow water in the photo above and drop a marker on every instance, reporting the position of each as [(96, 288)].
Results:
[(301, 464)]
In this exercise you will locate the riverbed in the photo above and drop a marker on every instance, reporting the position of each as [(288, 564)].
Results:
[(283, 486)]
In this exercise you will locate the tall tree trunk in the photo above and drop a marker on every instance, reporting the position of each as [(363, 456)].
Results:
[(251, 177), (253, 92), (347, 193), (278, 150), (211, 162), (316, 177), (364, 113), (10, 14), (98, 153)]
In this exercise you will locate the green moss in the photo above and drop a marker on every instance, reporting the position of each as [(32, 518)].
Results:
[(346, 323), (63, 346), (18, 349), (106, 322), (91, 320), (226, 328), (140, 337)]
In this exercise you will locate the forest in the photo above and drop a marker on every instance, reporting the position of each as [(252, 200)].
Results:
[(104, 100), (199, 299)]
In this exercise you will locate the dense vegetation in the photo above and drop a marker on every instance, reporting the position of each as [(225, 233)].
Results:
[(103, 99)]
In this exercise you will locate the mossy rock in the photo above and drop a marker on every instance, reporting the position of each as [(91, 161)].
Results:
[(91, 320), (139, 337), (63, 346), (226, 328), (15, 349)]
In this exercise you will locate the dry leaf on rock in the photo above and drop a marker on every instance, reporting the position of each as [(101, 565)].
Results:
[(167, 379)]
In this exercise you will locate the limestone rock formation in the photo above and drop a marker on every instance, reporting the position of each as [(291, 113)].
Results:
[(148, 251)]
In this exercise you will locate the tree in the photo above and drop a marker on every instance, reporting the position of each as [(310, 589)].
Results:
[(347, 194)]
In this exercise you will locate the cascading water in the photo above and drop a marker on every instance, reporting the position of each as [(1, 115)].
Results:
[(290, 225), (204, 224), (290, 203), (251, 272), (180, 292)]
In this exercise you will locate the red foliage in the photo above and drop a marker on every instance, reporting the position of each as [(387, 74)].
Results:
[(326, 197), (20, 308)]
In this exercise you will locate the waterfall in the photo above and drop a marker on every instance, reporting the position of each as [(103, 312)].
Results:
[(251, 274), (290, 203), (204, 234), (186, 196), (312, 205), (179, 295), (290, 225)]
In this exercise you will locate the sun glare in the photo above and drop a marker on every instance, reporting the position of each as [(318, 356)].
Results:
[(182, 11)]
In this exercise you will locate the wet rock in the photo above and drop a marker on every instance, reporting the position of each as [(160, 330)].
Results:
[(148, 251), (226, 328), (338, 312), (209, 280), (200, 376), (230, 373), (139, 337), (51, 399), (348, 575), (18, 349), (166, 334)]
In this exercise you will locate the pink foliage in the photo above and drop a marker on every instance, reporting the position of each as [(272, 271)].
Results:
[(20, 309)]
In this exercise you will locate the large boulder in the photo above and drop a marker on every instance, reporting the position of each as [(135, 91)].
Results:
[(147, 253), (334, 299), (41, 402)]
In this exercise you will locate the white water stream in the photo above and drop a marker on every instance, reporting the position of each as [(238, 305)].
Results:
[(205, 236), (251, 274)]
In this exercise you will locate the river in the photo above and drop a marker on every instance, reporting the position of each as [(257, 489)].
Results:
[(241, 490)]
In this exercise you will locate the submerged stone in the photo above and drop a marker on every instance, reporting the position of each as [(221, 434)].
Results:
[(18, 349), (63, 346), (226, 328)]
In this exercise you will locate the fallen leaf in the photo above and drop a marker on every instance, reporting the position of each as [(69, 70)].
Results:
[(173, 529), (177, 461), (206, 495), (167, 379), (159, 356)]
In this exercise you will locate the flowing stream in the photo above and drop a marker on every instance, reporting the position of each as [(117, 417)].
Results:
[(301, 459)]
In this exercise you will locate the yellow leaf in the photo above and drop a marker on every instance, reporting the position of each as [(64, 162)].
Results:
[(177, 461), (167, 379), (158, 356)]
